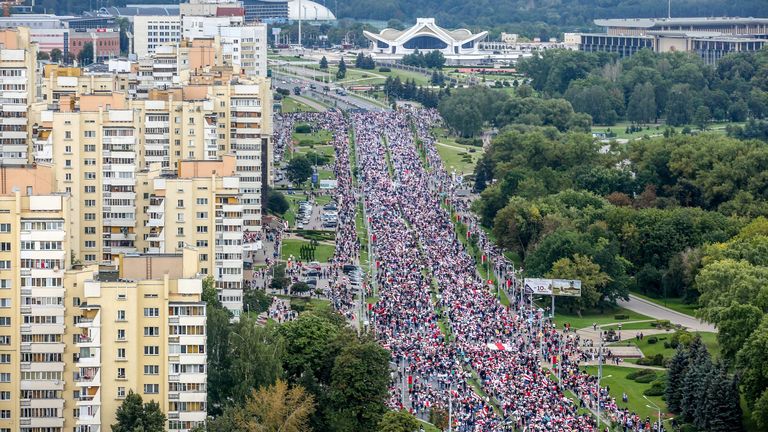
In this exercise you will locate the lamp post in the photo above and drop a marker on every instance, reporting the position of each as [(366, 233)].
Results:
[(656, 407)]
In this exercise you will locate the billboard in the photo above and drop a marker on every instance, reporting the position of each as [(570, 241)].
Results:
[(566, 287), (556, 287), (538, 286)]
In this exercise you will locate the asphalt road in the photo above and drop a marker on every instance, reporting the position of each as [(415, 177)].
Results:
[(347, 102), (636, 304)]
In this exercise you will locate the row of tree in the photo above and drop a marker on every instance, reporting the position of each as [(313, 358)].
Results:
[(315, 368), (649, 86), (431, 60), (703, 393), (396, 89), (468, 110)]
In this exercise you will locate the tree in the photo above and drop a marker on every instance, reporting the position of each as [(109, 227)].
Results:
[(642, 104), (722, 411), (678, 367), (299, 169), (701, 117), (735, 324), (85, 56), (751, 361), (56, 55), (277, 408), (760, 411), (438, 416), (256, 356), (593, 280), (42, 55), (695, 383), (342, 72), (256, 300), (323, 63), (359, 387), (276, 202), (307, 341), (398, 421), (134, 415)]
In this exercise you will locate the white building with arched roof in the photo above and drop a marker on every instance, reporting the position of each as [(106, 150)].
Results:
[(425, 36)]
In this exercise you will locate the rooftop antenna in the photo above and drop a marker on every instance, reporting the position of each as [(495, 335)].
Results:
[(669, 9)]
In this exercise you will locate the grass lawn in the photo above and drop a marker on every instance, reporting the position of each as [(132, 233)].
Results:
[(619, 384), (674, 303), (620, 129), (321, 149), (587, 318), (456, 156), (323, 253), (652, 349), (320, 137), (291, 105), (428, 427), (305, 303), (324, 174)]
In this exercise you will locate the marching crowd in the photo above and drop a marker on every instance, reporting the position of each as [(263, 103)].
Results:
[(453, 344)]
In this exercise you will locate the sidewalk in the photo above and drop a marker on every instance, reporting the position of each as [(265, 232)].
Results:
[(653, 310)]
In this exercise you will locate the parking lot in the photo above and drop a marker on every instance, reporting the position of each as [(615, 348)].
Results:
[(316, 217)]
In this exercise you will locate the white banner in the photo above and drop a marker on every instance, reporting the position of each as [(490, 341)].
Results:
[(538, 286)]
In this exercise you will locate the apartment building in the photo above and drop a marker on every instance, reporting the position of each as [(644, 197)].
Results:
[(138, 327), (152, 31), (35, 239), (199, 206), (18, 81), (250, 130)]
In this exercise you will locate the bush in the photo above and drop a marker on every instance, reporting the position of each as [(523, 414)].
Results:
[(656, 389), (652, 340), (303, 128), (641, 372), (385, 69), (621, 317), (645, 379), (665, 324), (657, 360)]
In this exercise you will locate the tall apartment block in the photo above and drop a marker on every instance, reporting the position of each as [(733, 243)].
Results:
[(250, 131), (138, 327), (18, 81), (197, 206), (74, 341)]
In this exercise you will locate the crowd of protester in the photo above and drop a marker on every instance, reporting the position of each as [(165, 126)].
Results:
[(453, 343)]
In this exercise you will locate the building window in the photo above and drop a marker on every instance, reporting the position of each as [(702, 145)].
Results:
[(5, 395), (5, 377), (5, 303), (5, 340), (151, 350), (5, 228), (5, 358), (203, 257), (5, 321), (151, 331), (121, 353), (202, 229), (151, 388), (121, 315), (151, 370), (151, 312), (121, 392), (120, 373), (121, 334)]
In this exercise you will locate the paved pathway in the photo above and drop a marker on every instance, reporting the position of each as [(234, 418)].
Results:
[(645, 307), (309, 102)]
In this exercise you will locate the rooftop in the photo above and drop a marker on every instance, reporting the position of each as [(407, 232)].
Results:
[(653, 22)]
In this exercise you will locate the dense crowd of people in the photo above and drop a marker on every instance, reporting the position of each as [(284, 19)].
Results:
[(453, 344)]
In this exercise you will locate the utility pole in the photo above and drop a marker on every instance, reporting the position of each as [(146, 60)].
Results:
[(300, 23), (669, 8)]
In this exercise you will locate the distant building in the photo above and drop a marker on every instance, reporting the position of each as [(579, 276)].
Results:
[(268, 11), (425, 36), (710, 38), (106, 44), (151, 31)]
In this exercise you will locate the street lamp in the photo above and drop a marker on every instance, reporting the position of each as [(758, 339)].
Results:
[(656, 407)]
